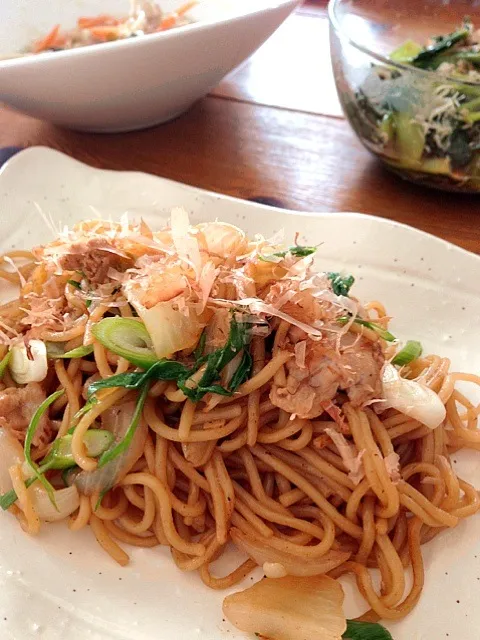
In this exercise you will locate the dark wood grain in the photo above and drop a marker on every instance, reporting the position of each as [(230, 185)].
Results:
[(253, 140)]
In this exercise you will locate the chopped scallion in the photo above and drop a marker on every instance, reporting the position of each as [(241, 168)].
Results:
[(127, 338), (411, 351), (32, 427), (4, 363), (380, 331)]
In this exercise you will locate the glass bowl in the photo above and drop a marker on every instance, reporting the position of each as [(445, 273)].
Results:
[(423, 124)]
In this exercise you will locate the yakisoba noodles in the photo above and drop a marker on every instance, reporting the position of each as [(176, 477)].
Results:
[(191, 387)]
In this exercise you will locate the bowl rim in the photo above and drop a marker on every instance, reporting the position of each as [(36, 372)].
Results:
[(342, 35), (266, 7)]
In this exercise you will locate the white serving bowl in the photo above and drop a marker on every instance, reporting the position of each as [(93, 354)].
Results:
[(129, 84)]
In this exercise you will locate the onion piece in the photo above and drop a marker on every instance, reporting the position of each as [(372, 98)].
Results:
[(67, 501), (222, 239), (259, 550), (170, 329), (11, 453), (412, 398), (117, 420), (29, 364), (289, 608)]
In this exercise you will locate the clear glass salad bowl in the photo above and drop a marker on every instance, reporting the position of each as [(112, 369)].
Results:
[(408, 77)]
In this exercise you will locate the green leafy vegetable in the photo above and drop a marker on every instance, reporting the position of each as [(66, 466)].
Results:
[(380, 331), (4, 363), (341, 285), (32, 427), (239, 338), (111, 454), (411, 351), (365, 631), (162, 370), (427, 56), (298, 251), (243, 371), (79, 352), (406, 52)]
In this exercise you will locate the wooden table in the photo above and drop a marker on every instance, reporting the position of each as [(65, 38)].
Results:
[(272, 131)]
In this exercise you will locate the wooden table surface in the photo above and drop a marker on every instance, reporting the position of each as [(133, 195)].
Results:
[(272, 131)]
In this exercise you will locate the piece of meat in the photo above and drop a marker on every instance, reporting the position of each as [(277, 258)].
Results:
[(17, 406), (94, 259), (363, 361), (355, 368)]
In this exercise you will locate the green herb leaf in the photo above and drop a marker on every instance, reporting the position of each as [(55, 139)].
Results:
[(79, 352), (111, 454), (75, 284), (427, 57), (365, 631), (243, 371), (411, 351), (298, 251), (161, 370), (341, 285), (32, 427), (239, 337), (4, 363), (380, 331), (127, 338)]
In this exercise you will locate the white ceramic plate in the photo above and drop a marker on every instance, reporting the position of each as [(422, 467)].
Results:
[(61, 585)]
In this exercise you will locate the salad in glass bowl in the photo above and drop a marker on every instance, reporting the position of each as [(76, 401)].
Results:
[(418, 107)]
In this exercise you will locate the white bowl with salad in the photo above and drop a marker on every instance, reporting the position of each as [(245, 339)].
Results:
[(408, 78), (121, 65)]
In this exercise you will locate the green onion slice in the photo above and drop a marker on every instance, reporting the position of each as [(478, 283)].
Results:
[(123, 445), (4, 364), (79, 352), (32, 427), (411, 351), (127, 338), (60, 455), (380, 331)]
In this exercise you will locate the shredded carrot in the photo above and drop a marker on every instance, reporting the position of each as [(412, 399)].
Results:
[(104, 34), (103, 20), (186, 7), (48, 41), (168, 22)]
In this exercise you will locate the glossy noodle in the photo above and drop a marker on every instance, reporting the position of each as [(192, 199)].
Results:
[(247, 398)]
